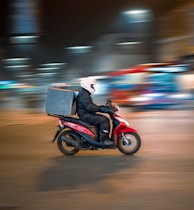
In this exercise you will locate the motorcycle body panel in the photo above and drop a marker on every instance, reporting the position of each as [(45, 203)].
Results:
[(79, 128)]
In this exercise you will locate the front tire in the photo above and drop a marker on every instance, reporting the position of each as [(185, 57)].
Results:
[(63, 146), (129, 143)]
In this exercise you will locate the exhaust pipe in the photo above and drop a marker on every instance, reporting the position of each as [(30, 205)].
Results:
[(71, 142)]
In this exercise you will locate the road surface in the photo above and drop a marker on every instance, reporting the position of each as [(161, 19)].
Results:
[(36, 176)]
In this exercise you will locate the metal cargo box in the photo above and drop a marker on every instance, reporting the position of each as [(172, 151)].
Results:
[(60, 102)]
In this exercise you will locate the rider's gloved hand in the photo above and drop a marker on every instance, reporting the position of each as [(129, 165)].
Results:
[(107, 109)]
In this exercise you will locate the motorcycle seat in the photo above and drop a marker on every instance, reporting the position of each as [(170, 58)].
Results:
[(78, 121)]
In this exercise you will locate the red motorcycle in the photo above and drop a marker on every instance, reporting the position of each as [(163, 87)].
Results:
[(74, 135)]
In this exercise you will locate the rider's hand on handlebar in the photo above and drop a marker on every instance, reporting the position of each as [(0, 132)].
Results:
[(108, 103), (107, 109)]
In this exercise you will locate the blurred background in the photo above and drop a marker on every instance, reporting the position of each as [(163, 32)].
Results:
[(142, 52)]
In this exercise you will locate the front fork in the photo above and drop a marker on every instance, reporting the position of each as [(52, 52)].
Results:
[(126, 130), (125, 141)]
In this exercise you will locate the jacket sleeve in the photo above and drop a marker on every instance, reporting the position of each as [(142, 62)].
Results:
[(87, 102)]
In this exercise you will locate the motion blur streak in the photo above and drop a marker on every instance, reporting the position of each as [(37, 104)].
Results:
[(142, 54)]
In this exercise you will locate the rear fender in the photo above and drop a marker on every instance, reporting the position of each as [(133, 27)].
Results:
[(57, 133), (130, 130)]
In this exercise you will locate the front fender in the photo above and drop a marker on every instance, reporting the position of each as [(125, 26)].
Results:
[(130, 130), (119, 131)]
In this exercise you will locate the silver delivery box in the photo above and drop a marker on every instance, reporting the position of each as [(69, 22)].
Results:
[(60, 102)]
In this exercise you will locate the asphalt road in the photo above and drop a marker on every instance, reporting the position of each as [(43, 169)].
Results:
[(34, 175)]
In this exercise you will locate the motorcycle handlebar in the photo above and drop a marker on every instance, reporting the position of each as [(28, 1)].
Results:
[(109, 103)]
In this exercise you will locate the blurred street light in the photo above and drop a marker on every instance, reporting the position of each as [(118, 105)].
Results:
[(135, 16), (140, 29), (79, 49)]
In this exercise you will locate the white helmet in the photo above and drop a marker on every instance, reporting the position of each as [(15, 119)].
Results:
[(88, 84)]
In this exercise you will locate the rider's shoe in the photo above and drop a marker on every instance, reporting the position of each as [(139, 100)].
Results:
[(108, 142), (104, 138)]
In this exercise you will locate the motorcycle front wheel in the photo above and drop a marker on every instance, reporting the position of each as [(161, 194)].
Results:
[(129, 143), (68, 142)]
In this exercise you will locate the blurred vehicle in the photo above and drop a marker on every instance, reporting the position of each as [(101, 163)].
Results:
[(149, 86)]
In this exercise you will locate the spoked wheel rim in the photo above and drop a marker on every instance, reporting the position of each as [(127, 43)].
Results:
[(65, 147), (129, 143)]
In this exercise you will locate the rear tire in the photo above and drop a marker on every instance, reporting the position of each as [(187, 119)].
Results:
[(63, 146), (129, 144)]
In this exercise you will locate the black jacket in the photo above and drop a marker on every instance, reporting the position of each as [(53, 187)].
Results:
[(84, 104)]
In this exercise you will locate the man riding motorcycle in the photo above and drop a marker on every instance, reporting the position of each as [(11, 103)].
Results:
[(87, 110)]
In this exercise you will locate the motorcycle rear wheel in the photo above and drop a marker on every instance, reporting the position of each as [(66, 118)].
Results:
[(64, 147), (129, 143)]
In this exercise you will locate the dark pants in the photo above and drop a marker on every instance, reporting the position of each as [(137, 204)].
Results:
[(101, 121)]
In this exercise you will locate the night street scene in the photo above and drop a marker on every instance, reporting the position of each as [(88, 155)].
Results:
[(141, 55)]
